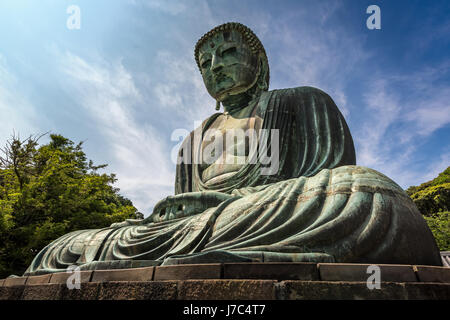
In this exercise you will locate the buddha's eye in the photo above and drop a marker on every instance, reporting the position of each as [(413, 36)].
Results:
[(229, 50), (206, 64)]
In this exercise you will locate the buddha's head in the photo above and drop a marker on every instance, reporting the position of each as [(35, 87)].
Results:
[(232, 61)]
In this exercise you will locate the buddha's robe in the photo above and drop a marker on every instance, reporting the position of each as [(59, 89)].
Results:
[(318, 206)]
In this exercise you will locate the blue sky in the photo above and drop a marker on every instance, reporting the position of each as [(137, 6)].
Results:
[(127, 78)]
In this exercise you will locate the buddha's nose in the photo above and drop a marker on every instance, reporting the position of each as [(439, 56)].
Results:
[(216, 63)]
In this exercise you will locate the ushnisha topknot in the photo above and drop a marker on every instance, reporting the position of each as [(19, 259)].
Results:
[(249, 36)]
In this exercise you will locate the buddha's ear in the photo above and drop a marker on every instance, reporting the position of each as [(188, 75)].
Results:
[(263, 79)]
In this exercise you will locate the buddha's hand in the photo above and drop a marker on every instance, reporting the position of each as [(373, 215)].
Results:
[(186, 204)]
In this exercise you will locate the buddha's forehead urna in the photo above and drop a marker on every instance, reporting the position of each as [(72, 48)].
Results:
[(231, 31)]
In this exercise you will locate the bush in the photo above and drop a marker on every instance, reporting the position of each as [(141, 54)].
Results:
[(433, 201), (439, 224)]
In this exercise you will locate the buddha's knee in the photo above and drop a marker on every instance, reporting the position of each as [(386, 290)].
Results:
[(363, 179)]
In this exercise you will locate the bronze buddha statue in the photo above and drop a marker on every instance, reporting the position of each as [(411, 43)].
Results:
[(308, 202)]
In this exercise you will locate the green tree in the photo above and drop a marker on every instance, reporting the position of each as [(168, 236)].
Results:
[(47, 191), (439, 224), (433, 200)]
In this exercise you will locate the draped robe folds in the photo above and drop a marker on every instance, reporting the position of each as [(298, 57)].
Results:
[(318, 205)]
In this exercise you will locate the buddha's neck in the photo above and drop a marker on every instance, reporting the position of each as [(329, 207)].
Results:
[(237, 103)]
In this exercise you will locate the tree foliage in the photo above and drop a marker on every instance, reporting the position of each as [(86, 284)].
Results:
[(433, 200), (47, 191), (439, 224)]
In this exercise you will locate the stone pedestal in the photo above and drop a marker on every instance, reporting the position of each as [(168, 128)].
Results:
[(238, 281)]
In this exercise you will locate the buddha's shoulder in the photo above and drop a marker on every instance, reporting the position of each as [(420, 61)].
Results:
[(296, 98), (298, 91)]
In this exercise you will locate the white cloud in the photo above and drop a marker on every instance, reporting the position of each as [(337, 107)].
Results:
[(402, 112), (384, 110), (428, 118), (180, 89), (17, 113), (141, 158)]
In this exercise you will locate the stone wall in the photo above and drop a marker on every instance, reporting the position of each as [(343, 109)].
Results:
[(241, 281)]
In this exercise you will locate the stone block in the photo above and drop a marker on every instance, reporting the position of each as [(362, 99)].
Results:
[(334, 290), (2, 281), (87, 291), (135, 274), (147, 290), (269, 270), (61, 277), (11, 292), (188, 271), (432, 274), (222, 289), (19, 281), (39, 279), (48, 291), (358, 272), (427, 291), (144, 263)]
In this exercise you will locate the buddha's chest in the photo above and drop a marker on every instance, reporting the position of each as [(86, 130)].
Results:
[(228, 135), (227, 144)]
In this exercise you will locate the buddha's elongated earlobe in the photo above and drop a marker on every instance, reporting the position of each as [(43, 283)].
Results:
[(262, 77), (217, 105)]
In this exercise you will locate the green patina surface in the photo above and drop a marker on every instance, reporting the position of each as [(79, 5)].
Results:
[(315, 204)]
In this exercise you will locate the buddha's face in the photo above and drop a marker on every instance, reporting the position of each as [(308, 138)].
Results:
[(227, 64)]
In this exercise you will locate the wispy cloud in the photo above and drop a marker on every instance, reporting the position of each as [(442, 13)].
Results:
[(314, 54), (17, 113), (180, 89), (384, 109), (404, 110), (141, 159)]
